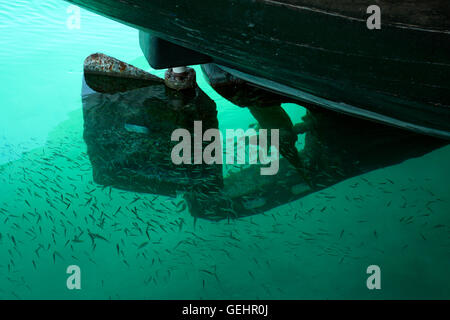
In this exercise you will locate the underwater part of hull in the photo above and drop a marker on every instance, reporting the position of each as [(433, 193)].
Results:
[(317, 52)]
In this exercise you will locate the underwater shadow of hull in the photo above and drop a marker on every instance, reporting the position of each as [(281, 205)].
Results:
[(127, 131)]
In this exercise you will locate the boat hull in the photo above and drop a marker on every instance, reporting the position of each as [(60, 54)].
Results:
[(321, 55)]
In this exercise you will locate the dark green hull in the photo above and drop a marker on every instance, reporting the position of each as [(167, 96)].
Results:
[(317, 52)]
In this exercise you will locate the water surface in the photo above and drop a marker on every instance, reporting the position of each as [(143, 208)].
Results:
[(396, 217)]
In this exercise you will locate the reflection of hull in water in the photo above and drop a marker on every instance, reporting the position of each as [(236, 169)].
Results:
[(319, 52), (128, 121), (128, 127)]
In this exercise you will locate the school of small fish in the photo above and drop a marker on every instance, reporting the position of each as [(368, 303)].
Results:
[(132, 245)]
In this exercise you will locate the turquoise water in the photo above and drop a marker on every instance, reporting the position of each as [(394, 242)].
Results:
[(402, 226)]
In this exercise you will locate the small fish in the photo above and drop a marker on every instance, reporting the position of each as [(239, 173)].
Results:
[(117, 211), (135, 199), (144, 244), (96, 236)]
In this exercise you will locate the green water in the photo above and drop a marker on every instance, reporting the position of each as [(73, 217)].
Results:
[(402, 225)]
